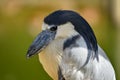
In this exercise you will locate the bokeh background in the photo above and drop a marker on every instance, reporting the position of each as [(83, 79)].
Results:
[(20, 22)]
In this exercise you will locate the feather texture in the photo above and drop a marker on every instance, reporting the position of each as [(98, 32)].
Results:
[(74, 58)]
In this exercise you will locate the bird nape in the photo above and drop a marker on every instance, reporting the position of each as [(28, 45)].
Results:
[(68, 49)]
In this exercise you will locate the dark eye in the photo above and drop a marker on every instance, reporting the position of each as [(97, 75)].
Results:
[(54, 28)]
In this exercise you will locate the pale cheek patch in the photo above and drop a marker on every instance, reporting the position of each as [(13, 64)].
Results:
[(66, 30)]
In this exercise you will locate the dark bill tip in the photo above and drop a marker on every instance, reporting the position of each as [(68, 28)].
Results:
[(32, 51), (27, 56)]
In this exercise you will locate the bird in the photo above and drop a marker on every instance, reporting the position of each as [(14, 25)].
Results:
[(68, 49)]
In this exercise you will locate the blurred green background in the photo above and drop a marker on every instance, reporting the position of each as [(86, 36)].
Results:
[(21, 20)]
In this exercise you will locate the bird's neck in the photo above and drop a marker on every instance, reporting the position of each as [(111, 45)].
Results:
[(51, 57)]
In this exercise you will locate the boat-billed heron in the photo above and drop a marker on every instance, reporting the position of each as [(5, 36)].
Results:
[(68, 49)]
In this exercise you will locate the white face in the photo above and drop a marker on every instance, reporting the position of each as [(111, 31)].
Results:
[(63, 31)]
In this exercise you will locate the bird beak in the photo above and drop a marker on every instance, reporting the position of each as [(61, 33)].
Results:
[(40, 42)]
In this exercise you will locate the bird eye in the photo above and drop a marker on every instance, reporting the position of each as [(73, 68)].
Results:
[(54, 28)]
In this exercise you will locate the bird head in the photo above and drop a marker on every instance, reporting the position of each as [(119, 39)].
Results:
[(62, 24)]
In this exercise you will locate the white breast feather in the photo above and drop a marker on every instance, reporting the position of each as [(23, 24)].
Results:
[(73, 59)]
